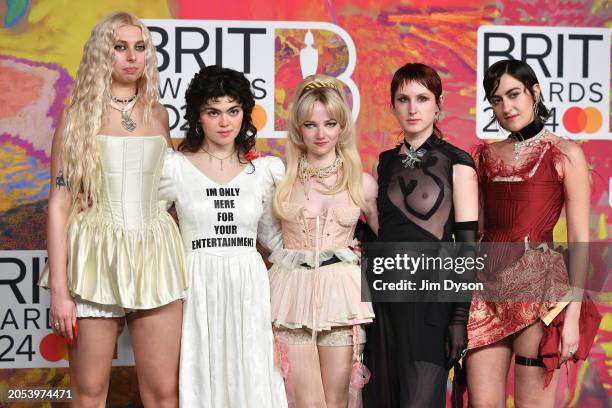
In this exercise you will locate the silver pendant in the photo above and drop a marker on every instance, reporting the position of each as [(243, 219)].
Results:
[(413, 157), (127, 122)]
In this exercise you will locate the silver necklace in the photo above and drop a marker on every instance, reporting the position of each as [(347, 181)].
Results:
[(126, 121), (522, 144), (221, 159)]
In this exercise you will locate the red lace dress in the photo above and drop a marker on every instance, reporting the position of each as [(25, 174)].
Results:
[(519, 202)]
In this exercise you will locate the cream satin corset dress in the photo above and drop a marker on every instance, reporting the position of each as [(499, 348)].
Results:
[(128, 251)]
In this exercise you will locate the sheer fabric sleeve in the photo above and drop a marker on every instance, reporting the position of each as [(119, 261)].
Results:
[(268, 229), (167, 190)]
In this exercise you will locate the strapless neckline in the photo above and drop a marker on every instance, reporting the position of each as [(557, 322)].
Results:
[(132, 137)]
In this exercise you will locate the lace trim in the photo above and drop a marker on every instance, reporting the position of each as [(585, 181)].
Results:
[(491, 166)]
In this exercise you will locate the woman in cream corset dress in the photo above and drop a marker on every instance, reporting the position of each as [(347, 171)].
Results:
[(315, 280), (115, 254)]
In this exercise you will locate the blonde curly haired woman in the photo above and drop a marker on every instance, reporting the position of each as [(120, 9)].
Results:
[(115, 254), (315, 281)]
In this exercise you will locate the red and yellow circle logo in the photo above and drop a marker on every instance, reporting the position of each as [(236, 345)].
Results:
[(53, 347), (588, 120)]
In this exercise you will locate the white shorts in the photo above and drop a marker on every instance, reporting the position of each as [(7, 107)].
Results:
[(85, 308)]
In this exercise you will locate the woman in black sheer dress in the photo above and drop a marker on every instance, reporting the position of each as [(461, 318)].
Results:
[(428, 192)]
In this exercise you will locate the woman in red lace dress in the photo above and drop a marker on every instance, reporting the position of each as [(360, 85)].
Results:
[(525, 180)]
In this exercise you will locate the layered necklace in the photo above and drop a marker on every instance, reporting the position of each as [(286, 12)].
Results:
[(126, 110), (318, 174), (221, 159), (526, 138)]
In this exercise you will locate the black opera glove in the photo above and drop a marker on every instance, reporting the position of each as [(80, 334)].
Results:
[(465, 239), (466, 234)]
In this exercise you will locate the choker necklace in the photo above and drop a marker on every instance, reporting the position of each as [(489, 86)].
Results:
[(521, 143), (126, 121), (529, 131), (413, 156), (124, 101), (307, 172), (221, 159)]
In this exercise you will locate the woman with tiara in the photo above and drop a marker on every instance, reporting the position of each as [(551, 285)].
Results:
[(315, 280)]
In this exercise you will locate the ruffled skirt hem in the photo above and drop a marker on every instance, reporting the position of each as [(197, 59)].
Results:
[(340, 297), (140, 268)]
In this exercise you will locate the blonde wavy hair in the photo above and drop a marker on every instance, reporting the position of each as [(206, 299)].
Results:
[(88, 104), (328, 91)]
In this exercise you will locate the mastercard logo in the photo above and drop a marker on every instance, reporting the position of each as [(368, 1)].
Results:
[(259, 117), (53, 347), (588, 120)]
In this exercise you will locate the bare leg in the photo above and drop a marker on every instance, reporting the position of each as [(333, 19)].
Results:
[(91, 358), (156, 338), (487, 372), (336, 364), (529, 380)]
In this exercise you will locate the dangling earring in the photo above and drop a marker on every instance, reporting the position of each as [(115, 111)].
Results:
[(436, 117), (536, 108), (197, 129)]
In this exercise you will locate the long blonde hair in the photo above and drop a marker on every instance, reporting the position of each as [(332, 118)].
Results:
[(328, 91), (88, 104)]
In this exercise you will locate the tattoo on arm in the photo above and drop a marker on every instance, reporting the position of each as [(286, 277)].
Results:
[(60, 181)]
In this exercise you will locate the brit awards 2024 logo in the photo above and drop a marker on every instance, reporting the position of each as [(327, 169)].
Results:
[(26, 337), (572, 65), (274, 55)]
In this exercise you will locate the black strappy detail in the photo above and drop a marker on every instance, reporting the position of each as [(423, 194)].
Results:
[(528, 361)]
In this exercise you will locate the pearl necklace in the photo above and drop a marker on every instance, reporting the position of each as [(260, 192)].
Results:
[(318, 174)]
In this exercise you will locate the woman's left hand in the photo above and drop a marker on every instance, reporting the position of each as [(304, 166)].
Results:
[(570, 337)]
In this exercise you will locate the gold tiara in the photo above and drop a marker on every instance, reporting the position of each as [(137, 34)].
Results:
[(318, 85)]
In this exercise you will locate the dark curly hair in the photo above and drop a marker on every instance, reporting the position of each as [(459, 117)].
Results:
[(215, 82)]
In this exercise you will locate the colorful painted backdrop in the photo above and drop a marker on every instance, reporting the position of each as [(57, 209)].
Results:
[(41, 45)]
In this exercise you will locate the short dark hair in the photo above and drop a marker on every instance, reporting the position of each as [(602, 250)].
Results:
[(519, 70), (422, 74), (215, 82)]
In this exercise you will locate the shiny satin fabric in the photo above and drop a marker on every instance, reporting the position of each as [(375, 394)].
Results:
[(128, 252)]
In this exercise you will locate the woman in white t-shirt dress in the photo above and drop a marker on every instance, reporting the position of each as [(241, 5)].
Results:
[(222, 196)]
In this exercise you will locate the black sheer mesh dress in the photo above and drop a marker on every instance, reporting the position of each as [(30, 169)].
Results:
[(407, 343)]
